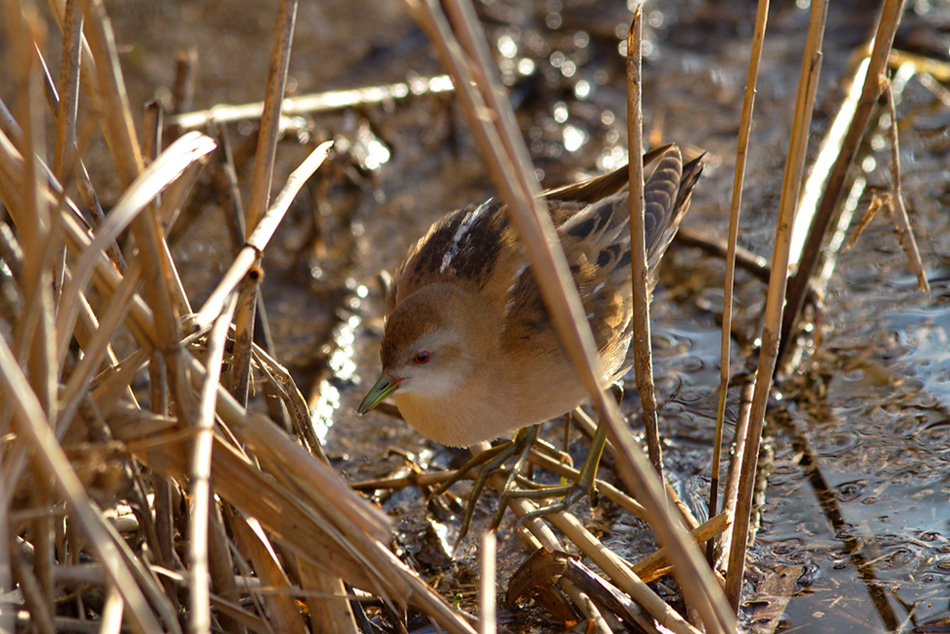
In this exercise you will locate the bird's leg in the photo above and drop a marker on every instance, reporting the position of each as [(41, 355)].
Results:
[(522, 442), (471, 464), (515, 471), (572, 492), (585, 479)]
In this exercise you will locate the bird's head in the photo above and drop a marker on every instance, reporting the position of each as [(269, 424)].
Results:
[(432, 344)]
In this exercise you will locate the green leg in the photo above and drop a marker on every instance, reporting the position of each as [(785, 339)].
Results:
[(572, 492), (520, 444), (475, 461), (506, 492)]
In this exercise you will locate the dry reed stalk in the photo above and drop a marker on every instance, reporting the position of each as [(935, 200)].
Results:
[(112, 612), (34, 428), (225, 182), (486, 587), (261, 183), (221, 565), (258, 239), (120, 135), (68, 90), (826, 207), (32, 333), (499, 142), (186, 76), (621, 574), (152, 116), (733, 476), (742, 148), (318, 103), (241, 617), (330, 610), (254, 543), (648, 568), (536, 534), (200, 616), (68, 150), (88, 74), (791, 184), (32, 336), (896, 206), (641, 345)]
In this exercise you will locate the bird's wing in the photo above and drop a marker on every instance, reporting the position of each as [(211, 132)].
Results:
[(596, 242), (599, 187), (464, 246)]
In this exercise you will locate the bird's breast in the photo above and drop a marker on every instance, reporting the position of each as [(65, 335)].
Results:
[(473, 414)]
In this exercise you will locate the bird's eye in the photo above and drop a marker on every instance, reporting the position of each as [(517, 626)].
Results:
[(422, 357)]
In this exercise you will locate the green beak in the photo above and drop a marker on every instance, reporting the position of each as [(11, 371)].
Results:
[(385, 386)]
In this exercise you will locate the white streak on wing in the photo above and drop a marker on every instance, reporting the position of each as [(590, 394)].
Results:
[(514, 282), (467, 222), (597, 288)]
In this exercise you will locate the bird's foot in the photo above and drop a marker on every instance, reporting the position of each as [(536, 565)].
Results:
[(569, 494), (490, 461), (519, 487)]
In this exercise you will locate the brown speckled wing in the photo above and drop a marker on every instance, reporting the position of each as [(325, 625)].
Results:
[(596, 242), (466, 245)]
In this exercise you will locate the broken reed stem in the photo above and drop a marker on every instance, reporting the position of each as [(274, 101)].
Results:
[(486, 587), (798, 286), (898, 210), (649, 568), (68, 90), (642, 352), (742, 149), (200, 616), (620, 572), (258, 239), (791, 184), (504, 152), (262, 181)]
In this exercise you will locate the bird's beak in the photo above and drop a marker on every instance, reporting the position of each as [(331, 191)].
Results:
[(385, 386)]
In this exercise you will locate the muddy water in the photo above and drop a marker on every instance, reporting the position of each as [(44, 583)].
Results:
[(858, 476)]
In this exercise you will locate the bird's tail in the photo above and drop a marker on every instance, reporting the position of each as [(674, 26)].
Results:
[(666, 197)]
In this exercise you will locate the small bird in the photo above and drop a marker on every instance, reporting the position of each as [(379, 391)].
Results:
[(469, 352)]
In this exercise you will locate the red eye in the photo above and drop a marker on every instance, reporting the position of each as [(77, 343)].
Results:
[(422, 357)]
